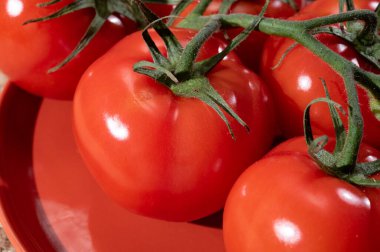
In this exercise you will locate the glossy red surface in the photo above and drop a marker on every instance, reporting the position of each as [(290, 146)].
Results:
[(49, 201)]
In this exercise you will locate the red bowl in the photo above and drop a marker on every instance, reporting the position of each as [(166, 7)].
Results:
[(49, 201)]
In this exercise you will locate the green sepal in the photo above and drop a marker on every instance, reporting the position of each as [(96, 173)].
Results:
[(174, 48), (368, 168), (180, 7), (190, 53), (103, 9), (70, 8), (92, 30), (180, 72), (200, 88), (361, 180), (370, 52), (155, 71), (154, 51), (95, 26), (340, 131), (325, 159), (207, 64)]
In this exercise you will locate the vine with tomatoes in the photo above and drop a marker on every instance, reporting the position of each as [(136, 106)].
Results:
[(183, 108)]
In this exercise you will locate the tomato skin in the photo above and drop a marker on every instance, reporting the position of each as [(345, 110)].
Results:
[(160, 155), (320, 8), (295, 85), (29, 51), (249, 51), (284, 202), (161, 10)]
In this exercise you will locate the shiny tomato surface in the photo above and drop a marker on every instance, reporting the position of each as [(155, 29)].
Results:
[(297, 80), (161, 155), (285, 202), (29, 51)]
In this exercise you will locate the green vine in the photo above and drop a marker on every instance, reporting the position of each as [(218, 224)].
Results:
[(185, 77)]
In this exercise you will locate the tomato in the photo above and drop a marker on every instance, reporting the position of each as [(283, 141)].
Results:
[(325, 7), (161, 155), (161, 10), (285, 202), (29, 51), (295, 85), (250, 50)]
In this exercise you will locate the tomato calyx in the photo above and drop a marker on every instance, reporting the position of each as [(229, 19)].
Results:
[(335, 163), (364, 37), (104, 9), (180, 72)]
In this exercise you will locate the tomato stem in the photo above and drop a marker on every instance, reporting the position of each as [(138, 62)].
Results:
[(186, 62), (342, 163), (300, 32), (179, 72)]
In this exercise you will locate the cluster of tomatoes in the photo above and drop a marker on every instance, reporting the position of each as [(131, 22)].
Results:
[(173, 158)]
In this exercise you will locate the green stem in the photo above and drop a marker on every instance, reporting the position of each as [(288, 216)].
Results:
[(201, 7), (301, 31), (184, 66), (225, 6), (297, 30), (347, 157)]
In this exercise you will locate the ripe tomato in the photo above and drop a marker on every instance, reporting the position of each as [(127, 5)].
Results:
[(295, 85), (284, 202), (161, 10), (161, 155), (319, 8), (29, 51), (250, 50)]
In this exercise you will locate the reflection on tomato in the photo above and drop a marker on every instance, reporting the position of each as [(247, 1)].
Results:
[(285, 202), (160, 155)]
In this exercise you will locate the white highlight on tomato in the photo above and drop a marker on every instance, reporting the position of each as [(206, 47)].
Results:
[(370, 158), (304, 83), (373, 5), (14, 7), (277, 4), (115, 20), (244, 190), (286, 231), (116, 127), (355, 61), (3, 79), (353, 199), (341, 48)]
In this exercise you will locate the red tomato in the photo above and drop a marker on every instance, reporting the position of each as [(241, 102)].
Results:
[(250, 50), (161, 155), (296, 81), (327, 7), (161, 10), (285, 202), (28, 52)]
